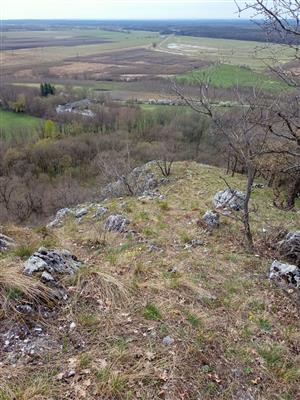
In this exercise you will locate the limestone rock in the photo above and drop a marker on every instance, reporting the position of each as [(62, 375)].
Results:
[(116, 223), (60, 215), (52, 261), (289, 247), (230, 198), (6, 243), (168, 341), (81, 212), (139, 181), (211, 219), (285, 275), (193, 243), (100, 210)]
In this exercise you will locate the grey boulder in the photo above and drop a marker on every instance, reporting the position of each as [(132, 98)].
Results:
[(51, 261), (289, 247), (60, 215), (81, 212), (230, 198), (6, 243), (100, 210), (116, 223), (211, 219), (137, 182), (285, 275)]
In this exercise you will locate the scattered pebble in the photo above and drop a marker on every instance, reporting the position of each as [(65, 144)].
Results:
[(168, 341)]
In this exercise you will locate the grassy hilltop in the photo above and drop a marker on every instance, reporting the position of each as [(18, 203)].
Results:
[(232, 334)]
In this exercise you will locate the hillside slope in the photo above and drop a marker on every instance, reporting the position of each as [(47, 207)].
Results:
[(169, 310)]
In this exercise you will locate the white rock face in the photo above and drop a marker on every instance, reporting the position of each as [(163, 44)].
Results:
[(229, 198), (286, 275)]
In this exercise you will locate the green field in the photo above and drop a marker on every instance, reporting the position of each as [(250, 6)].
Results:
[(12, 123), (227, 76), (236, 52)]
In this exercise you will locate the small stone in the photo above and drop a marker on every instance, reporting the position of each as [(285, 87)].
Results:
[(81, 212), (168, 341), (193, 243), (25, 308), (72, 326), (211, 219), (71, 373), (60, 376)]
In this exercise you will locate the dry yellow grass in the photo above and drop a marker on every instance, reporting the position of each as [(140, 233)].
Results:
[(235, 335)]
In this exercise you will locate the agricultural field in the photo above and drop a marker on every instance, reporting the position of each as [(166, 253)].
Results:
[(28, 61), (134, 65), (11, 123), (236, 52), (227, 76)]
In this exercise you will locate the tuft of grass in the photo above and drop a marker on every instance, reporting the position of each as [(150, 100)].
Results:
[(110, 383), (264, 325), (14, 287), (85, 359), (164, 205), (87, 319), (152, 312), (193, 320), (272, 355), (93, 282), (38, 387), (24, 251)]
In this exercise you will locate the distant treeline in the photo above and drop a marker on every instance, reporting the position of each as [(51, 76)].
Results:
[(225, 29)]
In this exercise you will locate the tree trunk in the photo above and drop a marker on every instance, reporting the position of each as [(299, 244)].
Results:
[(293, 194), (234, 166), (248, 233)]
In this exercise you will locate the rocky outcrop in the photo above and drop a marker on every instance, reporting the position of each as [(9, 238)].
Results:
[(289, 247), (285, 275), (116, 223), (211, 219), (77, 212), (51, 262), (6, 243), (60, 215), (100, 211), (139, 181), (229, 198)]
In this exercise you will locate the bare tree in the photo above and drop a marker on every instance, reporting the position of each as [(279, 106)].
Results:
[(244, 132), (280, 20)]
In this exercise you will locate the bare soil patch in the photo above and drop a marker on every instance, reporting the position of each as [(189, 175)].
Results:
[(137, 62)]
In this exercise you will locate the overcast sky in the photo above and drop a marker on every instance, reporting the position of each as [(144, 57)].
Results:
[(118, 9)]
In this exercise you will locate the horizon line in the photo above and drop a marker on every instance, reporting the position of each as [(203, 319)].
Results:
[(125, 19)]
